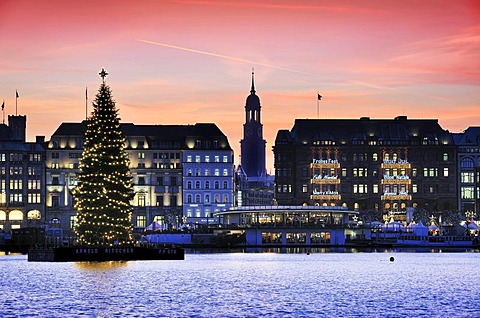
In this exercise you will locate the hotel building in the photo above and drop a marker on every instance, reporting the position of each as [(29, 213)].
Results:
[(181, 173), (383, 167)]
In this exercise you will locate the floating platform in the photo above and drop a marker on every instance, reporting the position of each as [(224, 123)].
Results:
[(104, 254)]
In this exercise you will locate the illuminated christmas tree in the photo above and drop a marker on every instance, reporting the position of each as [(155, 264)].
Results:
[(105, 188)]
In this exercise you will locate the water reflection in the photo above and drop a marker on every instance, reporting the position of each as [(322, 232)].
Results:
[(259, 284)]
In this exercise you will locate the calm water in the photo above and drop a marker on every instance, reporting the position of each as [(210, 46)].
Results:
[(247, 285)]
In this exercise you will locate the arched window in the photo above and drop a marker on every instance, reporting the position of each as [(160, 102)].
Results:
[(189, 184), (225, 184), (217, 198), (356, 206), (207, 184), (445, 156), (197, 198), (197, 184), (225, 198), (217, 185), (33, 215), (207, 198), (189, 198), (394, 157), (15, 215), (467, 163)]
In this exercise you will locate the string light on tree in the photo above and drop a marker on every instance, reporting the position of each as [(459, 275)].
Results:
[(105, 188)]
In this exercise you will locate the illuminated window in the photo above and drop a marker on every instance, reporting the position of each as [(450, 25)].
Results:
[(141, 155), (141, 200), (141, 221), (445, 156), (225, 158), (445, 172)]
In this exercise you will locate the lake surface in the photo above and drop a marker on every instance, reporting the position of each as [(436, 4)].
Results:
[(247, 285)]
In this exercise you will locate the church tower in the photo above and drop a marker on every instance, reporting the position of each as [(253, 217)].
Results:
[(253, 145)]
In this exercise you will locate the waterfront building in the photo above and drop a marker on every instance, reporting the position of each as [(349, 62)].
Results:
[(163, 161), (380, 167), (253, 185), (468, 153), (22, 175), (293, 225)]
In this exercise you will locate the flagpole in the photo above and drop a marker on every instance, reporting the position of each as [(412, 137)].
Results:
[(3, 111), (317, 105), (86, 103), (16, 102)]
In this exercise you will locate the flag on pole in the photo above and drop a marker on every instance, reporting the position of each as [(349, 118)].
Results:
[(16, 94), (319, 96), (3, 105)]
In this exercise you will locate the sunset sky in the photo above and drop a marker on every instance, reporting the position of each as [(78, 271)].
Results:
[(185, 62)]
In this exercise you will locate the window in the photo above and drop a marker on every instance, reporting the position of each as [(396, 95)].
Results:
[(217, 172), (445, 172), (189, 158), (189, 184), (207, 172), (344, 172), (207, 185), (467, 177), (225, 158), (207, 198), (304, 188), (55, 201), (15, 184), (141, 221), (197, 198), (467, 163), (414, 172), (55, 155), (189, 198), (34, 198), (414, 188), (197, 172), (225, 198), (173, 200), (445, 156), (197, 184), (197, 158), (217, 198), (225, 172), (159, 200), (160, 181), (173, 181), (217, 158), (34, 184), (375, 157), (225, 184), (468, 193), (141, 200), (217, 185), (141, 180), (34, 157), (141, 165), (207, 158), (141, 155), (189, 172)]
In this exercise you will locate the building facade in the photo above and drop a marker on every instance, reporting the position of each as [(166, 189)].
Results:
[(468, 153), (22, 175), (159, 160), (383, 167)]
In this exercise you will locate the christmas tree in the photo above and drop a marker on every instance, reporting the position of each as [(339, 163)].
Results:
[(105, 188)]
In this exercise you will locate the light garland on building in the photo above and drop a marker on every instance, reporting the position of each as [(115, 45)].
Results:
[(105, 188)]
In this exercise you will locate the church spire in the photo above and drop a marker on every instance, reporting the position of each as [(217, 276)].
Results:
[(252, 91)]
